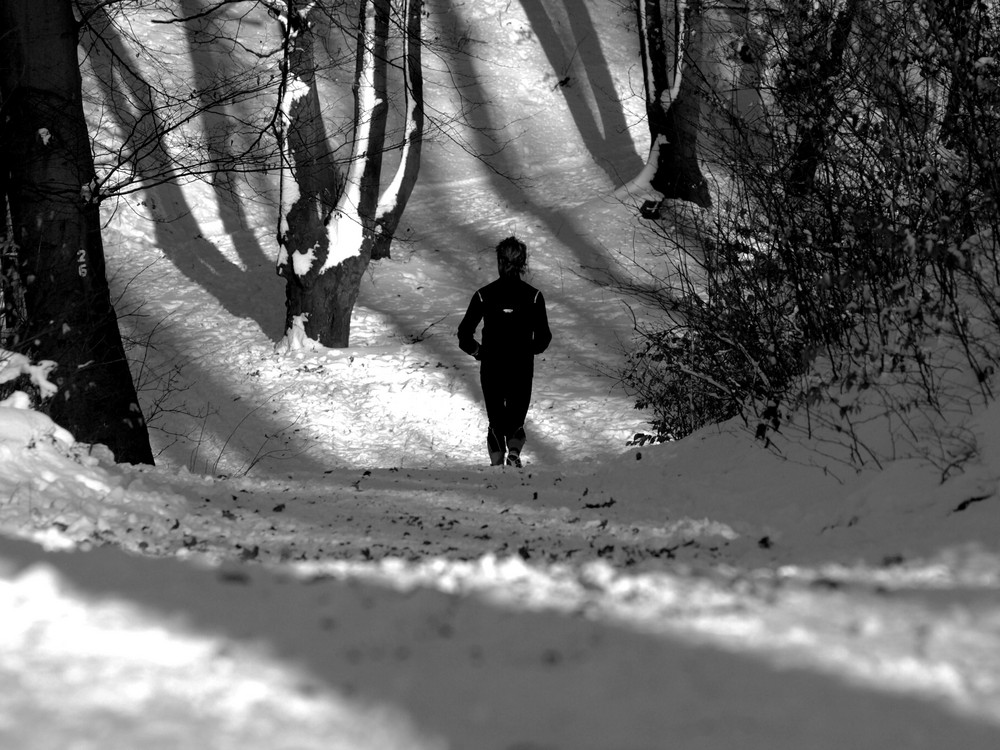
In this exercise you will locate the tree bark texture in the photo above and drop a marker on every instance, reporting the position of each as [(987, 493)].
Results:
[(55, 220)]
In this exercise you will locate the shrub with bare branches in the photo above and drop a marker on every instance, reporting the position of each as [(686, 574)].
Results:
[(850, 268)]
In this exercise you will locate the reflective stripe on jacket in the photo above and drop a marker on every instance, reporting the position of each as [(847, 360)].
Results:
[(515, 323)]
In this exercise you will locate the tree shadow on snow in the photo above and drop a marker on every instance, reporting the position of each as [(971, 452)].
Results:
[(207, 428), (131, 103), (413, 328), (578, 55), (590, 262), (503, 676)]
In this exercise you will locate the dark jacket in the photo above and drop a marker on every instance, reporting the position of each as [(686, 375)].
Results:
[(515, 325)]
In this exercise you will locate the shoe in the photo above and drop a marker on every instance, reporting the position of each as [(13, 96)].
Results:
[(496, 446), (513, 459)]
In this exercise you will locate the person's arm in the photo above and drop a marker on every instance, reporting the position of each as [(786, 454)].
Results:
[(467, 328), (542, 334)]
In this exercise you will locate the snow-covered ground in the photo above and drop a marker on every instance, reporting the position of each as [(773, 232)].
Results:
[(320, 559)]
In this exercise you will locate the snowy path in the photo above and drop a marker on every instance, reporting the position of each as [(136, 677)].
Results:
[(478, 608), (358, 582), (484, 671), (545, 516)]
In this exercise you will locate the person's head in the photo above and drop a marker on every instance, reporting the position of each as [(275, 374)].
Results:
[(512, 258)]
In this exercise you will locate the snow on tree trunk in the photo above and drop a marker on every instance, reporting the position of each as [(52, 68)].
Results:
[(393, 201), (49, 176), (669, 35), (308, 182), (352, 228), (325, 231)]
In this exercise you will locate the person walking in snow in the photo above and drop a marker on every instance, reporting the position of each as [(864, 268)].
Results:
[(515, 329)]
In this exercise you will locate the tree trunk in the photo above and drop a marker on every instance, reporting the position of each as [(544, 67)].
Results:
[(669, 33), (326, 244), (55, 220), (309, 181), (393, 201)]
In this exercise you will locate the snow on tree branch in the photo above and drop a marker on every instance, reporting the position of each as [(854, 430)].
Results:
[(13, 366), (345, 230), (390, 197)]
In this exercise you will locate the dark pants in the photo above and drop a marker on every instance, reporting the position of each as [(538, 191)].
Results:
[(507, 392)]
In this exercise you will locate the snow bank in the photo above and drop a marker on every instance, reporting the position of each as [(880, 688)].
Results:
[(19, 425)]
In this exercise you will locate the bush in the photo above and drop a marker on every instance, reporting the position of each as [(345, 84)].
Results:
[(718, 348), (854, 247)]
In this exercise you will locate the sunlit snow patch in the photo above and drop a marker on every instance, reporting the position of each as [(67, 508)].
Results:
[(296, 339), (881, 644), (95, 674), (22, 427)]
